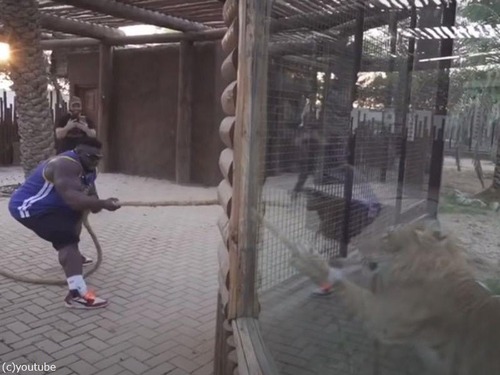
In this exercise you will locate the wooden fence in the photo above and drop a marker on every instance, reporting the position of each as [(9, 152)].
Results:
[(9, 138)]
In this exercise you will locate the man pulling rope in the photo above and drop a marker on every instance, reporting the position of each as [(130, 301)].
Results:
[(52, 203)]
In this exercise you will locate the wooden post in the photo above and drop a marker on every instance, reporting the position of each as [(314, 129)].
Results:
[(223, 363), (250, 145), (184, 113), (105, 96)]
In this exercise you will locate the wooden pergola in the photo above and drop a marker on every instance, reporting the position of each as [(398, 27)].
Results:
[(74, 24)]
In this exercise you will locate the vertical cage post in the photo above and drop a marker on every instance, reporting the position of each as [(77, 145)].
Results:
[(389, 97), (401, 119), (436, 169), (250, 150), (351, 147), (441, 109), (348, 187)]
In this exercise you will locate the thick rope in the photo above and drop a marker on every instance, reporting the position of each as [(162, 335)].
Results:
[(307, 263), (208, 202), (88, 227)]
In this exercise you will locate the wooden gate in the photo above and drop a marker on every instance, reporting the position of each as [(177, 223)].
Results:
[(8, 131)]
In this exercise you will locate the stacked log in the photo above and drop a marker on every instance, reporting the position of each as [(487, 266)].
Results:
[(225, 362)]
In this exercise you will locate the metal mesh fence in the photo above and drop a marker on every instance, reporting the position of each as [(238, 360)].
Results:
[(347, 139), (333, 145)]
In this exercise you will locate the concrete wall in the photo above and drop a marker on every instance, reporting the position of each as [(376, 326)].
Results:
[(144, 110)]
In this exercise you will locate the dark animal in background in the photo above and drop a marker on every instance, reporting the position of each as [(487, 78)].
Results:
[(308, 144), (331, 211)]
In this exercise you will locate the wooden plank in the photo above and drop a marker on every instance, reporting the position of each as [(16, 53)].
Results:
[(134, 13), (226, 130), (105, 98), (249, 150), (207, 35), (226, 159), (67, 25), (253, 356), (263, 354), (228, 99), (230, 11), (230, 40), (184, 113), (229, 67)]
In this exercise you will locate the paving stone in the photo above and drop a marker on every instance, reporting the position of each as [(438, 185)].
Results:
[(159, 272)]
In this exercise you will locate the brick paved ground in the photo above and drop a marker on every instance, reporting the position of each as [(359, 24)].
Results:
[(159, 271), (313, 336)]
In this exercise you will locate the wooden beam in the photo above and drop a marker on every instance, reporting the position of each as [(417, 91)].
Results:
[(197, 36), (249, 151), (134, 13), (51, 44), (105, 97), (70, 26), (184, 113)]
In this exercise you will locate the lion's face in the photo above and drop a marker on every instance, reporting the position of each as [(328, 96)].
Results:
[(413, 252)]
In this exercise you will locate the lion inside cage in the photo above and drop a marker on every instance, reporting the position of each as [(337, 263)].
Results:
[(345, 162)]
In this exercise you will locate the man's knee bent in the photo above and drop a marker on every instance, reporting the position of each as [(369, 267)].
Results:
[(65, 241)]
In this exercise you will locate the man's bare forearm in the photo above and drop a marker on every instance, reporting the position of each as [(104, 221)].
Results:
[(80, 201)]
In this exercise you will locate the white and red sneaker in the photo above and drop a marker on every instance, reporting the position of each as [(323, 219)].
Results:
[(89, 301), (334, 275)]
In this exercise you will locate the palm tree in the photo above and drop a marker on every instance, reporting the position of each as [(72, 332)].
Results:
[(28, 72)]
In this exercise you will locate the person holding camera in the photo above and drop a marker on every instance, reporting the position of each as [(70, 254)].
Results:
[(73, 127)]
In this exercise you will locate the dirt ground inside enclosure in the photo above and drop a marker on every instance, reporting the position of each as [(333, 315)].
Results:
[(477, 228)]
